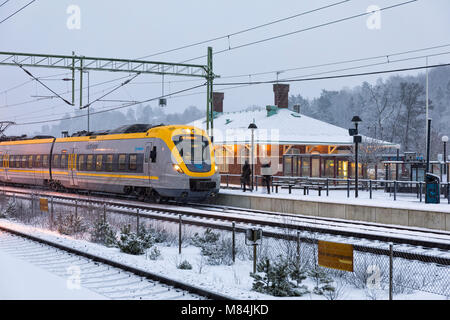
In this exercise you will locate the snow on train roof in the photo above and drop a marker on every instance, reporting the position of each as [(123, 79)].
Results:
[(283, 127)]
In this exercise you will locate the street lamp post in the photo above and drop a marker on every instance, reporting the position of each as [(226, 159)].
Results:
[(356, 139), (252, 127), (396, 164), (445, 140)]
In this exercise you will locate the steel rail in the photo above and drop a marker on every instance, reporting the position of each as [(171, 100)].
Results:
[(137, 271)]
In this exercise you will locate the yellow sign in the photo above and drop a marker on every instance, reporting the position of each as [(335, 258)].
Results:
[(43, 204), (335, 255)]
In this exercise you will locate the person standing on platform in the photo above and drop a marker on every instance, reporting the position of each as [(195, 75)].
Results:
[(266, 172), (245, 176)]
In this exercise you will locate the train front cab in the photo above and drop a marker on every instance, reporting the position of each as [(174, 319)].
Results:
[(190, 173)]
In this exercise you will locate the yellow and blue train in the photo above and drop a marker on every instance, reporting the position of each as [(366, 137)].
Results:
[(151, 162)]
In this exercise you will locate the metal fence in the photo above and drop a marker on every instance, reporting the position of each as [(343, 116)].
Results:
[(383, 271), (380, 270), (324, 186)]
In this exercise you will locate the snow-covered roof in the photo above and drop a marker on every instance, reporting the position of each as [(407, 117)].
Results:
[(283, 127)]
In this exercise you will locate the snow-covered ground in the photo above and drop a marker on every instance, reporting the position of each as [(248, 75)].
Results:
[(379, 198), (20, 280), (234, 280)]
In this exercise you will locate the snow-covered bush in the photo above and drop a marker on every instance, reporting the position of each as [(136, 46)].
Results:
[(133, 243), (102, 233), (322, 280), (185, 265), (208, 237), (276, 279), (70, 224), (218, 251), (10, 210), (154, 254)]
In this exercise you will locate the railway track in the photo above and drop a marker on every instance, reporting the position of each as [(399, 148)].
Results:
[(106, 277), (365, 236)]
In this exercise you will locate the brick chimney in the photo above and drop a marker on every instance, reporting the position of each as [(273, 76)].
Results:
[(281, 95), (218, 101)]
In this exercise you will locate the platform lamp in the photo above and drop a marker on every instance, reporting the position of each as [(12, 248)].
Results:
[(356, 139), (445, 140), (396, 163), (252, 127)]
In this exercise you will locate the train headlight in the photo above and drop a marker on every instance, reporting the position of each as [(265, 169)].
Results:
[(216, 168), (177, 168)]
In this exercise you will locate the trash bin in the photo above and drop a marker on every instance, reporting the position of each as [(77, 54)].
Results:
[(432, 188)]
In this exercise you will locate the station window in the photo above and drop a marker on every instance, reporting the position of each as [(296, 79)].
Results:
[(133, 162), (89, 162), (109, 162), (99, 162), (55, 162), (81, 162), (122, 162)]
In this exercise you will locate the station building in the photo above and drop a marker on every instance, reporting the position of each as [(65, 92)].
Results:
[(295, 144)]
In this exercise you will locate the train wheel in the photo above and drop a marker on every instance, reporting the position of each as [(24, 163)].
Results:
[(156, 198)]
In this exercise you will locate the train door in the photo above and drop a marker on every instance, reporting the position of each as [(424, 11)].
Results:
[(73, 167), (6, 166), (148, 160)]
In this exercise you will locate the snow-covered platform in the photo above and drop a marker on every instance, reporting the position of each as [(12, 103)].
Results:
[(407, 210)]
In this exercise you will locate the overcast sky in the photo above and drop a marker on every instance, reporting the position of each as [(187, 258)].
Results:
[(135, 29)]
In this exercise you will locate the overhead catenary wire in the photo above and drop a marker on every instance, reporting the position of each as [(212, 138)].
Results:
[(311, 74), (333, 77), (17, 11), (303, 30), (247, 83), (227, 36), (111, 91), (114, 108), (31, 75), (1, 5), (240, 75)]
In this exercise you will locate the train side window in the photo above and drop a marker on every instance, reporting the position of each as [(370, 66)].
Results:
[(81, 163), (153, 154), (147, 154), (45, 161), (89, 162), (99, 162), (1, 161), (30, 162), (109, 162), (18, 161), (37, 161), (24, 161), (133, 162), (55, 162), (122, 162), (64, 163)]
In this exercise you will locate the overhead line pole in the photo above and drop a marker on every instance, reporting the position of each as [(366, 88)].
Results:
[(73, 78), (210, 95)]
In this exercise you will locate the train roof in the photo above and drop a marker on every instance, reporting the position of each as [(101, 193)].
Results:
[(136, 131)]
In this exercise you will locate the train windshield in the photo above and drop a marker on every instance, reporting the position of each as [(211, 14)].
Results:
[(195, 151)]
